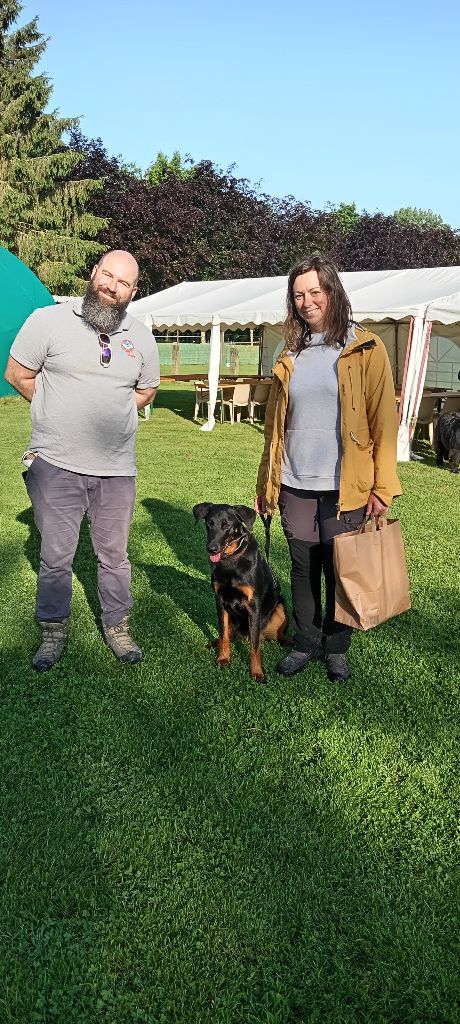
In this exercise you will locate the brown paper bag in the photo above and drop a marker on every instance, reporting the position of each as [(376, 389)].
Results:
[(371, 574)]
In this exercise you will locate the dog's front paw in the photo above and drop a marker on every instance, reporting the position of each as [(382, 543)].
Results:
[(258, 676), (223, 661)]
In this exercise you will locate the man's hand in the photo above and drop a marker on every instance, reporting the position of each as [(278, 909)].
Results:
[(375, 507), (259, 504)]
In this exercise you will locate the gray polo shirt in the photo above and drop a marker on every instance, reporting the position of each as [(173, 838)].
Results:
[(84, 415)]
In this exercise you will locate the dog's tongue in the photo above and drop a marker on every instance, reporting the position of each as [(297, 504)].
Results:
[(215, 558)]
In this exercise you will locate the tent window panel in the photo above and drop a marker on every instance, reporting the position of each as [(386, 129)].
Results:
[(443, 365)]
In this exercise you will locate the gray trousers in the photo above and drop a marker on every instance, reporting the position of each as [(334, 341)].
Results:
[(309, 521), (60, 499)]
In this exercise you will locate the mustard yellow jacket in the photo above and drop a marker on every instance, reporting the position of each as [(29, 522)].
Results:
[(368, 425)]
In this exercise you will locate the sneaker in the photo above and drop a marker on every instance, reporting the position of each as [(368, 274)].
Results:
[(118, 639), (338, 669), (52, 646), (296, 661)]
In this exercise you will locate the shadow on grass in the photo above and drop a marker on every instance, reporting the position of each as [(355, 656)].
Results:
[(424, 453), (185, 537), (54, 895), (191, 848), (181, 532), (192, 595), (210, 860), (180, 401)]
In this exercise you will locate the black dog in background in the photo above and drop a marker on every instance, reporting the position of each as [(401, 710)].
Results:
[(447, 440), (248, 599)]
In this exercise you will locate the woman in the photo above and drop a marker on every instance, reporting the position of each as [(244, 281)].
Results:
[(329, 458)]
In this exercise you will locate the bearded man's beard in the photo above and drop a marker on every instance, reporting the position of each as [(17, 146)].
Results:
[(101, 317)]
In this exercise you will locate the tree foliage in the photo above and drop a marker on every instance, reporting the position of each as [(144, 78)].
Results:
[(203, 223), (344, 218), (164, 166), (386, 243), (419, 218), (45, 218)]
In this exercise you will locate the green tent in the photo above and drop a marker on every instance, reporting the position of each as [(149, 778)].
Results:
[(20, 293)]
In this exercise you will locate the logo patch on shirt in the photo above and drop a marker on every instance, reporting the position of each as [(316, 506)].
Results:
[(128, 347)]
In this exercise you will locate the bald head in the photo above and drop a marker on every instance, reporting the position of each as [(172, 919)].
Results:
[(120, 263)]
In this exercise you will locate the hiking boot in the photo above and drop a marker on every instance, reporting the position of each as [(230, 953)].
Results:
[(296, 661), (118, 639), (52, 646), (338, 669)]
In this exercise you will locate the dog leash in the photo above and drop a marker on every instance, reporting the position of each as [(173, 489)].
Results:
[(267, 521)]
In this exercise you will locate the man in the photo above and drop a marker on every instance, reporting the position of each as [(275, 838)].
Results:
[(87, 368)]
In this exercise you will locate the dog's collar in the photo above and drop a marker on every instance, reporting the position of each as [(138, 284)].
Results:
[(224, 550)]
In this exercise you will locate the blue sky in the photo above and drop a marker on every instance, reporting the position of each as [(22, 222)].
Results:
[(330, 102)]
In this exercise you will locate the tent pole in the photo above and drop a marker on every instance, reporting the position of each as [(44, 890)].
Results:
[(406, 364), (408, 390), (261, 348), (414, 376), (421, 378), (396, 353), (213, 374)]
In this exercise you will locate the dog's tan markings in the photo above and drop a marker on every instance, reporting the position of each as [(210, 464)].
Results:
[(232, 547), (216, 587), (255, 653), (255, 664), (277, 625), (246, 590), (223, 657)]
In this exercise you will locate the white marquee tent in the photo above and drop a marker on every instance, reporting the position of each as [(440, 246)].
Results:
[(402, 306)]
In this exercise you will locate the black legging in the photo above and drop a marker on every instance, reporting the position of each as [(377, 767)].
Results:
[(309, 520)]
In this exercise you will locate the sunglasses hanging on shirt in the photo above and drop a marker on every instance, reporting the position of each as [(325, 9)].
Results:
[(105, 350)]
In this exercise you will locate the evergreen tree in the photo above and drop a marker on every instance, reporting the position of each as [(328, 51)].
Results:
[(43, 217)]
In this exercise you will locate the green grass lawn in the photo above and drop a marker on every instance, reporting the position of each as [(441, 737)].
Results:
[(181, 844)]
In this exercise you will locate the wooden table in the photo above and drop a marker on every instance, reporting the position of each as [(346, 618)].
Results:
[(231, 381), (226, 379)]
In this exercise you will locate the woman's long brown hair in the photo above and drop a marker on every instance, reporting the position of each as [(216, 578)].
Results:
[(338, 314)]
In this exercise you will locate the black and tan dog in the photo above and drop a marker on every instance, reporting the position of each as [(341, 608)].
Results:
[(248, 599), (447, 440)]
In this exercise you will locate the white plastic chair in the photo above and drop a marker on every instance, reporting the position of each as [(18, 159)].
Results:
[(259, 397), (451, 403), (235, 398), (426, 414), (201, 397)]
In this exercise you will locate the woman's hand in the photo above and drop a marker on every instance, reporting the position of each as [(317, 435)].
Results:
[(259, 504), (375, 507)]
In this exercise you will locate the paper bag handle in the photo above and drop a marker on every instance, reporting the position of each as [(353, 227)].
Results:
[(372, 524)]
